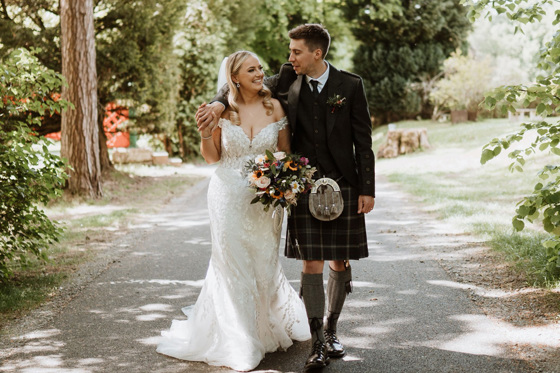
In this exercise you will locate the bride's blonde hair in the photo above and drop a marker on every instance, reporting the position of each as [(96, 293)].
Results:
[(233, 65)]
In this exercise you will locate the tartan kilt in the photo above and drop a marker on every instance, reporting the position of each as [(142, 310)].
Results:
[(341, 239)]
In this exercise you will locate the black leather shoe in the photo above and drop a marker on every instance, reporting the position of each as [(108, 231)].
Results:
[(318, 358), (335, 349)]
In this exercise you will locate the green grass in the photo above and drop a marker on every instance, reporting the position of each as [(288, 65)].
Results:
[(87, 223), (482, 199), (26, 291)]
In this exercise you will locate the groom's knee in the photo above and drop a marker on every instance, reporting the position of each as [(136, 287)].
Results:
[(337, 265), (313, 266)]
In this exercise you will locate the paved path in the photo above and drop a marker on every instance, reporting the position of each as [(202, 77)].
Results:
[(405, 314)]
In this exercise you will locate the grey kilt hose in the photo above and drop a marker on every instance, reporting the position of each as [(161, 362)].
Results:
[(341, 239)]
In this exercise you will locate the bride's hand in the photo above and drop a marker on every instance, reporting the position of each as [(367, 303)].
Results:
[(207, 115), (206, 131)]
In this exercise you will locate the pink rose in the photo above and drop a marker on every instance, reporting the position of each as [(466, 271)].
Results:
[(290, 197), (262, 182)]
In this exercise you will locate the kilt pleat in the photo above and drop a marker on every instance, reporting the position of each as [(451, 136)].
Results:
[(341, 239)]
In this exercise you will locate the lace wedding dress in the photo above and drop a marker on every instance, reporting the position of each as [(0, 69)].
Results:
[(246, 306)]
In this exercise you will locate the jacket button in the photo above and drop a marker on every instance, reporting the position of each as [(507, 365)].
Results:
[(368, 182), (367, 168)]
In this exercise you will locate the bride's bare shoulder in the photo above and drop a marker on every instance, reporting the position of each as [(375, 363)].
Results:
[(278, 110), (226, 114)]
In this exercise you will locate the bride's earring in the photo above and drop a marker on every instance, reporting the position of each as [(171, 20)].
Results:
[(238, 85)]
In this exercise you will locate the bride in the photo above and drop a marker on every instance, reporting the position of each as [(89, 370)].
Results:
[(246, 306)]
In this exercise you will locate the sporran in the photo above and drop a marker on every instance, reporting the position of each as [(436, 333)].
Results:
[(325, 200)]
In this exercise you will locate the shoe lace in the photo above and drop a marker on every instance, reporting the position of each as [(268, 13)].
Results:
[(318, 348), (330, 336)]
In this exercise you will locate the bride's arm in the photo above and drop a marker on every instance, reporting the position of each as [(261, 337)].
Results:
[(284, 139), (210, 144), (285, 134)]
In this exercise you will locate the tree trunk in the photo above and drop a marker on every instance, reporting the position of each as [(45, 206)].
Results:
[(167, 144), (459, 116), (182, 150), (80, 131), (403, 141), (104, 160)]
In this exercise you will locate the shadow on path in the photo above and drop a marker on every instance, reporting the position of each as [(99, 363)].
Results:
[(404, 315)]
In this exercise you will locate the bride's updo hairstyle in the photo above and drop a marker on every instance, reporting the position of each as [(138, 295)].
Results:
[(234, 62)]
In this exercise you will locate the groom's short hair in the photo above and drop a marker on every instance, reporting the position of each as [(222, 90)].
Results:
[(315, 36)]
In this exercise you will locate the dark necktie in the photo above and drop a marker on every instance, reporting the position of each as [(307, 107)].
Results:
[(314, 83)]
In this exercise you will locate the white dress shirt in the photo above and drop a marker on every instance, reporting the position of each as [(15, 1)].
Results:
[(322, 79)]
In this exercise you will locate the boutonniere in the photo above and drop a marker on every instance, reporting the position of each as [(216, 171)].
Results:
[(336, 102)]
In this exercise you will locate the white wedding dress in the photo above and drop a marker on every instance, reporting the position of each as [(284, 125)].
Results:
[(246, 306)]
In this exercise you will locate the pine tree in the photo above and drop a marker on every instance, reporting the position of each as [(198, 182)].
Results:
[(403, 43), (80, 132)]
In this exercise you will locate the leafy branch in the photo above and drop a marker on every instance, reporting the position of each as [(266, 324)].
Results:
[(544, 96), (29, 174)]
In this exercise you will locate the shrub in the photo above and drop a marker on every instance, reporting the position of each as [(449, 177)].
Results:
[(29, 173)]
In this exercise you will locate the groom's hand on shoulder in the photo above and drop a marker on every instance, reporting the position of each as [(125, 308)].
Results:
[(204, 115)]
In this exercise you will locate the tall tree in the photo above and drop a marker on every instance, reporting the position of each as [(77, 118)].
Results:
[(31, 24), (403, 42), (136, 59), (80, 131), (136, 63)]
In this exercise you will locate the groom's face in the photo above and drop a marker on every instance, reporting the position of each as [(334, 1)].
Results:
[(303, 60)]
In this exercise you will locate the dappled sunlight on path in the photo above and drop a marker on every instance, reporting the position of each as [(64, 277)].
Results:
[(405, 313)]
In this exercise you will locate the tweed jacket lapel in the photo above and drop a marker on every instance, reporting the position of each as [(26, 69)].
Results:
[(334, 82), (293, 99), (333, 88)]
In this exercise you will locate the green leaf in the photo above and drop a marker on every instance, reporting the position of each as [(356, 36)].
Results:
[(541, 108), (518, 224), (554, 52), (549, 243), (548, 226), (523, 211), (487, 155), (269, 155)]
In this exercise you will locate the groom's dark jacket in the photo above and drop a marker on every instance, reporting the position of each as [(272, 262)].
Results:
[(347, 129)]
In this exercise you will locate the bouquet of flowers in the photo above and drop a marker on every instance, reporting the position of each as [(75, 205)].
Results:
[(279, 178)]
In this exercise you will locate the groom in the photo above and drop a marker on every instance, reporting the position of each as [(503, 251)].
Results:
[(330, 122)]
